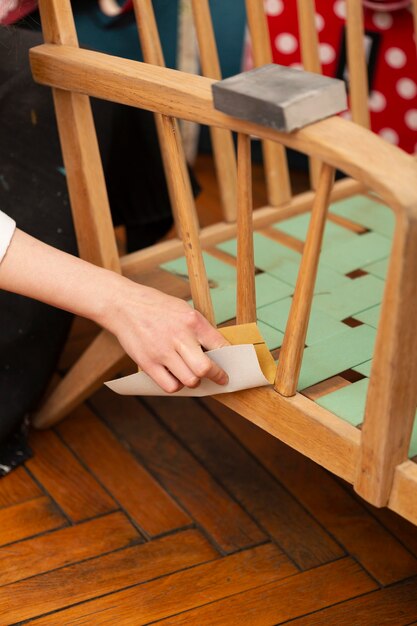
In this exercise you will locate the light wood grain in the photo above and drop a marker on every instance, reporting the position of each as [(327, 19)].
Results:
[(188, 225), (402, 498), (361, 154), (153, 54), (303, 425), (358, 72), (291, 354), (392, 394), (222, 141), (246, 296), (275, 158), (84, 171), (309, 43)]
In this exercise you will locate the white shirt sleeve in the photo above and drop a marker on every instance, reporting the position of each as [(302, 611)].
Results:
[(7, 228)]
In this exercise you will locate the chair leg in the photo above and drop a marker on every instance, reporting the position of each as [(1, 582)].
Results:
[(101, 360)]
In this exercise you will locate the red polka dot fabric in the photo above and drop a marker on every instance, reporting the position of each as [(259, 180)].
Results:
[(391, 53)]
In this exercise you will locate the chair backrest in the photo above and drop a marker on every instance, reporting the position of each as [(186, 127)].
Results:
[(76, 74)]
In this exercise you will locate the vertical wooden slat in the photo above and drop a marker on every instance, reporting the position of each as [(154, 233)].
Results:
[(275, 159), (392, 394), (152, 53), (358, 75), (185, 202), (310, 57), (176, 169), (291, 353), (86, 184), (246, 298), (222, 140)]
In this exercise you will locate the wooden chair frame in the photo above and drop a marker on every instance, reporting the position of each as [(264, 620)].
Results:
[(375, 459)]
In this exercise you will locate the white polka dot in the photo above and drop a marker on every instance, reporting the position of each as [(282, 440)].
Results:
[(406, 88), (347, 115), (319, 22), (377, 101), (382, 20), (273, 7), (340, 9), (286, 43), (297, 66), (327, 53), (389, 135), (411, 119), (395, 57)]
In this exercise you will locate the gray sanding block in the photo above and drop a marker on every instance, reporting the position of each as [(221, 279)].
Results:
[(281, 97)]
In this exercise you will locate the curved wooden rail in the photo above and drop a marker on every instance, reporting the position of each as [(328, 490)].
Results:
[(356, 151)]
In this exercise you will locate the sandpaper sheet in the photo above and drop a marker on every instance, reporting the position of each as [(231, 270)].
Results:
[(240, 362)]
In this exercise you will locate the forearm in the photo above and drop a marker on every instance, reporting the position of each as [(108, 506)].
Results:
[(32, 268), (160, 333)]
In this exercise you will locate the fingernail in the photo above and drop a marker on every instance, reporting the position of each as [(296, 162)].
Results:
[(224, 379)]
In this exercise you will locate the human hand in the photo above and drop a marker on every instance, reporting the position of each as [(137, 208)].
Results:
[(163, 335)]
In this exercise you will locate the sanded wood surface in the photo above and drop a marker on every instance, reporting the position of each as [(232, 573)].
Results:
[(289, 364), (358, 71), (246, 296)]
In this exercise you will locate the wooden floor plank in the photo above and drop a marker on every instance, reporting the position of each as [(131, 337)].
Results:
[(349, 522), (75, 490), (63, 547), (134, 488), (183, 590), (274, 508), (28, 519), (204, 499), (277, 602), (17, 487), (395, 605), (77, 583), (398, 526)]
